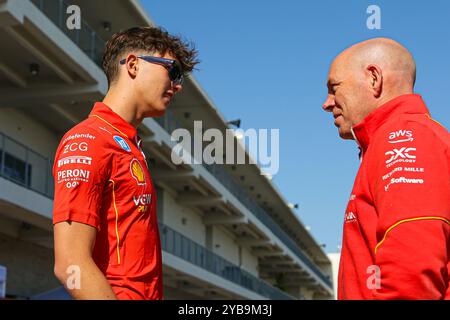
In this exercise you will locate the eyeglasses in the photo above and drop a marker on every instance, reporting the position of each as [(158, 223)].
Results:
[(172, 66)]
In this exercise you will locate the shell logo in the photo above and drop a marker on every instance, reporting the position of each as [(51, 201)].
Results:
[(137, 172)]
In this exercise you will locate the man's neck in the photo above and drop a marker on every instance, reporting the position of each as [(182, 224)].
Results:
[(124, 107), (394, 94)]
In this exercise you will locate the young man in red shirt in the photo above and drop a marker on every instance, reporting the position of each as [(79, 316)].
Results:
[(106, 237), (396, 239)]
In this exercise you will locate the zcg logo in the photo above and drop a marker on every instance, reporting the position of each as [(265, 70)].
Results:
[(82, 146)]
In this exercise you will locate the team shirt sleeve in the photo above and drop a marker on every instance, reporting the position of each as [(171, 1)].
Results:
[(81, 171), (411, 188)]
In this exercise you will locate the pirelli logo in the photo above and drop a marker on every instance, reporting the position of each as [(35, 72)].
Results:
[(75, 160)]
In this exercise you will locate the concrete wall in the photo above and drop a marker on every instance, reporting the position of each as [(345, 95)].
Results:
[(335, 258), (25, 130), (30, 267), (224, 245), (34, 136), (183, 220), (190, 224), (249, 262)]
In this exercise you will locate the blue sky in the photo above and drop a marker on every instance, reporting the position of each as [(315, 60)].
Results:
[(266, 62)]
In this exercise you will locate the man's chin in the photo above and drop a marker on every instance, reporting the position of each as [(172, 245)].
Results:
[(345, 134), (158, 111)]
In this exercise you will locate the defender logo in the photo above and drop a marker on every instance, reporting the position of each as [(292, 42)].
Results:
[(401, 135), (79, 136), (402, 153)]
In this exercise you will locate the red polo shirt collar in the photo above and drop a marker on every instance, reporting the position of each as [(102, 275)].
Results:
[(404, 104), (104, 113)]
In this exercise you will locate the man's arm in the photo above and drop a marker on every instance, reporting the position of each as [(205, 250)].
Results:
[(413, 260), (74, 243), (411, 193)]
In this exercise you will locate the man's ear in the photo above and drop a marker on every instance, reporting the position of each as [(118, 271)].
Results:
[(132, 65), (375, 78)]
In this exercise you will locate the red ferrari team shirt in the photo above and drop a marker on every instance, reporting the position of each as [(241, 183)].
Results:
[(102, 180), (396, 239)]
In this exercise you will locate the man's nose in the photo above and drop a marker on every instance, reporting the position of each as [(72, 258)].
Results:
[(329, 103)]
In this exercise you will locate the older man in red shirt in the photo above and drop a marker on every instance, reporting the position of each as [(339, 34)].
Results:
[(105, 222), (396, 239)]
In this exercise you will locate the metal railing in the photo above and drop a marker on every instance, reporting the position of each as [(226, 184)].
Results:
[(21, 165), (169, 123), (177, 244), (223, 176), (85, 37)]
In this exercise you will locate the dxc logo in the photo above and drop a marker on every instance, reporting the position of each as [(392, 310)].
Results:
[(402, 153)]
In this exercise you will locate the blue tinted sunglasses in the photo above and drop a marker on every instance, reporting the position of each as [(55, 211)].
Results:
[(172, 66)]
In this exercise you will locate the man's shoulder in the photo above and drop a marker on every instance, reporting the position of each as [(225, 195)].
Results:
[(86, 143), (88, 130), (419, 128)]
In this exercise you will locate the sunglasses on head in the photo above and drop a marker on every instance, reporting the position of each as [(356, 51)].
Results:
[(172, 66)]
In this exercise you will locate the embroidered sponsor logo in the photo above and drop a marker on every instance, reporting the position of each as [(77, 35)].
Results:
[(142, 209), (400, 136), (142, 199), (400, 161), (74, 184), (142, 202), (75, 160), (73, 175), (404, 181), (79, 136), (405, 169), (81, 146), (350, 217), (404, 153), (137, 172), (411, 169), (387, 176), (122, 143)]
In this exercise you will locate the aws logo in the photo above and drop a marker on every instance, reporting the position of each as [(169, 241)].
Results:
[(400, 136), (137, 172)]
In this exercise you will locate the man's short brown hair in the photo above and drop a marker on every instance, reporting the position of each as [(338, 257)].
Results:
[(149, 39)]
